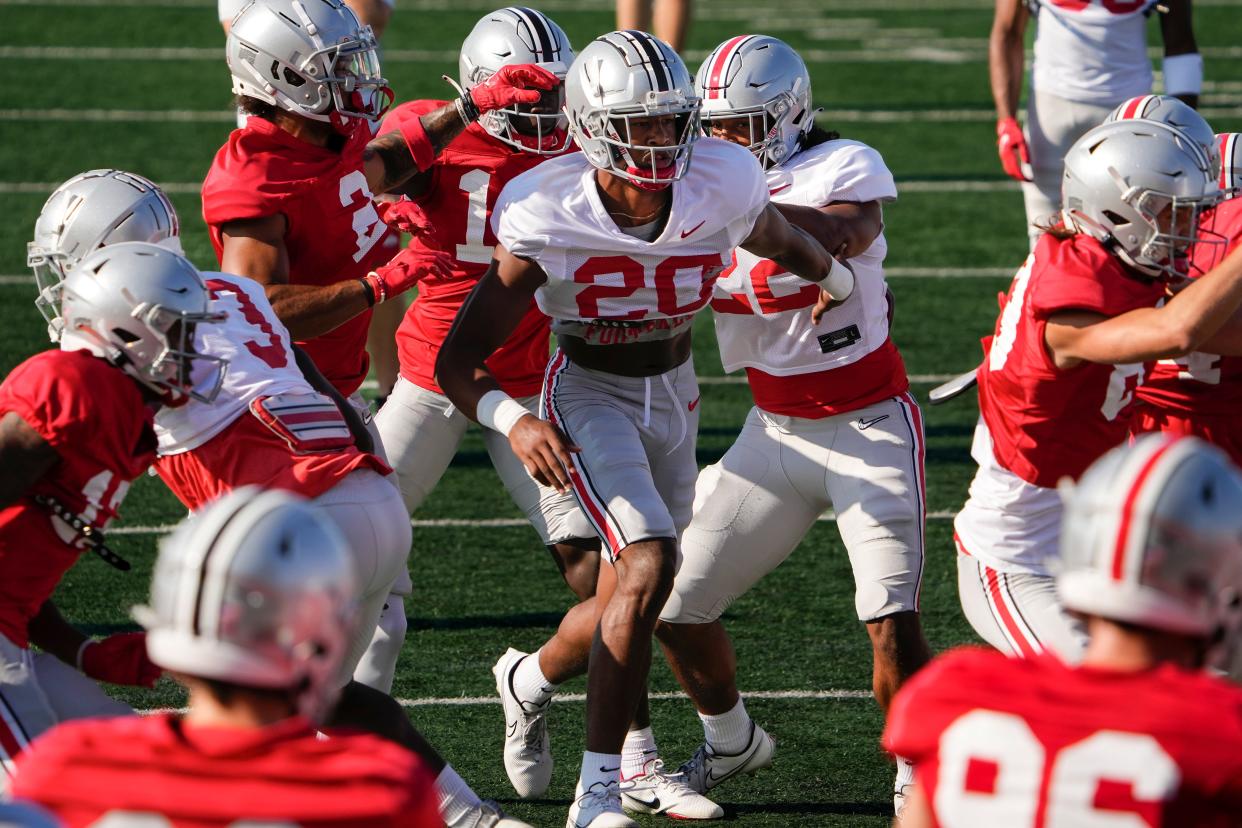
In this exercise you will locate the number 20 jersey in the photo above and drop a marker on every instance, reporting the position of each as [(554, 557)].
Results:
[(763, 312), (1033, 743), (554, 216)]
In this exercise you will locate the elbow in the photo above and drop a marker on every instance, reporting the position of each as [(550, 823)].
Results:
[(1183, 337)]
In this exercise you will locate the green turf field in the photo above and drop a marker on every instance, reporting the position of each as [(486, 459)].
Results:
[(141, 84)]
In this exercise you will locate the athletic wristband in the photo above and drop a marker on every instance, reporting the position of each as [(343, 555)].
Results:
[(77, 661), (415, 136), (498, 411), (368, 291), (839, 282), (1183, 74), (467, 109)]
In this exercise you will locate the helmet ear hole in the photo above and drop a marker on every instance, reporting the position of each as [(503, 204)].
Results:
[(293, 78), (1115, 218), (125, 336)]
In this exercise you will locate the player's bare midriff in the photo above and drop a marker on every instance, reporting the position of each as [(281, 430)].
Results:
[(636, 359)]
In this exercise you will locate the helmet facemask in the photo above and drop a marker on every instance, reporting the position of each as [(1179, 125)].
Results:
[(648, 166), (763, 124), (49, 268), (177, 369), (1171, 229), (359, 90)]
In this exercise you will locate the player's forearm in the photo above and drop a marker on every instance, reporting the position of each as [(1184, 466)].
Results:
[(1006, 66), (843, 229), (49, 631), (309, 311), (392, 159), (1201, 310), (803, 256)]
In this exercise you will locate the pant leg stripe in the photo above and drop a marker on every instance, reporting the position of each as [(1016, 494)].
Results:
[(13, 738), (998, 585), (914, 421), (596, 508)]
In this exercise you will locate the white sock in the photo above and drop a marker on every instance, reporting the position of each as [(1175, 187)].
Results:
[(728, 733), (905, 773), (599, 769), (638, 750), (530, 685), (457, 799)]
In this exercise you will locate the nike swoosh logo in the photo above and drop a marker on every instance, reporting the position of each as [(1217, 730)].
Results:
[(865, 424), (653, 803), (685, 233), (779, 189), (512, 728), (694, 404)]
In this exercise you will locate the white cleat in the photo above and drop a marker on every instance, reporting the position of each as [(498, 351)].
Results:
[(659, 792), (707, 768), (899, 801), (528, 755), (599, 807), (488, 815)]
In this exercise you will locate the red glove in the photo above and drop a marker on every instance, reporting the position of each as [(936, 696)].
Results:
[(408, 217), (119, 659), (1011, 144), (406, 270), (510, 85)]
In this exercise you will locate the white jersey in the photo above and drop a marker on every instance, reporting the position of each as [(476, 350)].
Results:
[(762, 312), (261, 363), (1093, 51), (553, 215)]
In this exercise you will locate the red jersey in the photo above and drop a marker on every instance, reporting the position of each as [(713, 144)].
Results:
[(172, 774), (96, 419), (1047, 423), (466, 179), (333, 233), (1203, 384), (1030, 742)]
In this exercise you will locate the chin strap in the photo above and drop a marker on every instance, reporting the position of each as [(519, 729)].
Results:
[(93, 537)]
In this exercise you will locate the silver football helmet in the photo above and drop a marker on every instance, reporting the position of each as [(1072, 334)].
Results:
[(1176, 113), (764, 81), (137, 305), (1229, 145), (516, 35), (1152, 536), (257, 589), (1139, 187), (626, 77), (310, 57), (85, 213)]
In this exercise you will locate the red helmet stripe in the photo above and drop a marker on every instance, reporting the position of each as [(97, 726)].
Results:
[(721, 63), (1134, 107), (1127, 509), (1228, 159)]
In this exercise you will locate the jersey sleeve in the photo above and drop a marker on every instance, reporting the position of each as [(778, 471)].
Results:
[(514, 220), (1078, 274), (59, 409), (858, 173), (240, 186)]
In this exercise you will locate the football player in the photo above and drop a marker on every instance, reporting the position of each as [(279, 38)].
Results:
[(75, 429), (833, 426), (252, 609), (1139, 733), (288, 200), (1084, 319), (419, 427), (1089, 56), (621, 259), (276, 423), (1199, 393)]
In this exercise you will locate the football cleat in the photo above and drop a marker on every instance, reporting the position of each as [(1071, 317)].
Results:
[(488, 815), (528, 755), (657, 791), (598, 807), (899, 801), (707, 768)]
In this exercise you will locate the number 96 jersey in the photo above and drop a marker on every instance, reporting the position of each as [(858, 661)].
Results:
[(554, 216), (1033, 743)]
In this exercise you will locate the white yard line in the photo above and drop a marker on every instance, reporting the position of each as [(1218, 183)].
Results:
[(453, 523), (578, 698)]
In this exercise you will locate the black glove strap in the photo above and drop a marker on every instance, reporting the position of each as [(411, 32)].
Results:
[(93, 537)]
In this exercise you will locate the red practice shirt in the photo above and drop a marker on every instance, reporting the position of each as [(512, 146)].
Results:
[(1047, 423), (96, 419), (207, 777), (466, 179), (333, 233), (1001, 741)]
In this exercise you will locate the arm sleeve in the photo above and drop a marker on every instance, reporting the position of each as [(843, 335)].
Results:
[(859, 174)]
